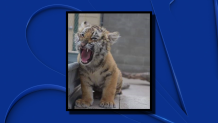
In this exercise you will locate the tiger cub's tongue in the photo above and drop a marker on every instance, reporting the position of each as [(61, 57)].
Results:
[(85, 55)]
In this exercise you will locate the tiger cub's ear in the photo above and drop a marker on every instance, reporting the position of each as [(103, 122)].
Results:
[(83, 25), (113, 37)]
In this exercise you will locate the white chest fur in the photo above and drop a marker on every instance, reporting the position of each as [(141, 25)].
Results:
[(96, 77)]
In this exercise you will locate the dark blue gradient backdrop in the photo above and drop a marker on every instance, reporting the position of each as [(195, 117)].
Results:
[(33, 61)]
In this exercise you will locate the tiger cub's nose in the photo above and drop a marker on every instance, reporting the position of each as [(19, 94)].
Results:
[(83, 44)]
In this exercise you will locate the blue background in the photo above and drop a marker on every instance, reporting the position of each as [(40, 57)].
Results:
[(33, 61)]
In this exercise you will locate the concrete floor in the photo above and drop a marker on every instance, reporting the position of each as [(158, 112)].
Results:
[(137, 96)]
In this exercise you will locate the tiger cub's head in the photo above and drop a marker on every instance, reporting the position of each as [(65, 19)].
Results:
[(93, 42)]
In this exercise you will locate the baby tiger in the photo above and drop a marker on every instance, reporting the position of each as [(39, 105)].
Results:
[(98, 70)]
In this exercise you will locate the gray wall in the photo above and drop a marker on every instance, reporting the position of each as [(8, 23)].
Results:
[(132, 50)]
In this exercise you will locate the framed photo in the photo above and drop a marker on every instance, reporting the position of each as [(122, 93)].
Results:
[(109, 61)]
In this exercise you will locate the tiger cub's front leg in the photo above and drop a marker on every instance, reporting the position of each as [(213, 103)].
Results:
[(87, 94), (109, 91)]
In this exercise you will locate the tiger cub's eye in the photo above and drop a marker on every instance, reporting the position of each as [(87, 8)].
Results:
[(93, 38), (82, 34)]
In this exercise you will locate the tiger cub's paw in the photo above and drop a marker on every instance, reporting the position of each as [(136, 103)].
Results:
[(84, 103), (107, 104)]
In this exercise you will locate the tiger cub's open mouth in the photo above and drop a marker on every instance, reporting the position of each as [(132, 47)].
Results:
[(86, 55)]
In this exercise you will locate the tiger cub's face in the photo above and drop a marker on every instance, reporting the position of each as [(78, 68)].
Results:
[(93, 42)]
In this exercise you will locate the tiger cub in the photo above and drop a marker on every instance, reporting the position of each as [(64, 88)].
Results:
[(98, 70)]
